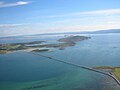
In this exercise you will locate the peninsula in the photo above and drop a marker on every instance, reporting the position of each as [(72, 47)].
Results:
[(113, 70)]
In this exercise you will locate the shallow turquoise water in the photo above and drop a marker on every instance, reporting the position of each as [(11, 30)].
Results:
[(20, 70)]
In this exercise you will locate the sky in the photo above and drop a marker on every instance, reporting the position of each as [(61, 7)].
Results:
[(24, 17)]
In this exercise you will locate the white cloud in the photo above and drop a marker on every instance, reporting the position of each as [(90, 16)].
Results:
[(22, 29), (104, 12), (96, 12), (77, 28), (82, 21), (9, 25), (3, 4)]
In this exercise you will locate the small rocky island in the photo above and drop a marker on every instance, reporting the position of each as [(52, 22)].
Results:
[(38, 46)]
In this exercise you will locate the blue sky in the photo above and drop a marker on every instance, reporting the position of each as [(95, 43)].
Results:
[(21, 17)]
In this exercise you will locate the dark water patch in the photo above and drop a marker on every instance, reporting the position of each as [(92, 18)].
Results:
[(35, 87)]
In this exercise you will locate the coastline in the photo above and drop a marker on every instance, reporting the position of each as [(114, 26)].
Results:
[(112, 71), (37, 46)]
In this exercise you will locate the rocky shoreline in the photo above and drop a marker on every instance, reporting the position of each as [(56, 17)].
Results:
[(113, 70), (37, 46)]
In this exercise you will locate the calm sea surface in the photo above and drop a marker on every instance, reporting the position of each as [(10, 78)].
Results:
[(24, 71)]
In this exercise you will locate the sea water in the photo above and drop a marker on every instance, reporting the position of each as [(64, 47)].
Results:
[(24, 71)]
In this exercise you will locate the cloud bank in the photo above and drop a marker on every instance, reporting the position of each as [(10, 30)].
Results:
[(4, 4), (96, 12), (72, 22)]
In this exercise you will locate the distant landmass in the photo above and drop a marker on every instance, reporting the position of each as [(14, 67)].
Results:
[(83, 32), (86, 32), (89, 32), (96, 32), (105, 31)]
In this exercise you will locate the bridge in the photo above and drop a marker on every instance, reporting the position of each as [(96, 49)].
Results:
[(79, 66)]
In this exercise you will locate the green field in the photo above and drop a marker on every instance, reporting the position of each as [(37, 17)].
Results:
[(116, 71)]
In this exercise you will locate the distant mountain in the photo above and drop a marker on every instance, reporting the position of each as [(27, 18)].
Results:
[(105, 31), (89, 32), (95, 32), (85, 32)]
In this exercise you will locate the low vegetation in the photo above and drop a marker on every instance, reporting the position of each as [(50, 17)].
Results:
[(36, 46), (114, 70)]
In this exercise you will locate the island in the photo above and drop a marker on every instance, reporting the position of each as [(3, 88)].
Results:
[(39, 46)]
